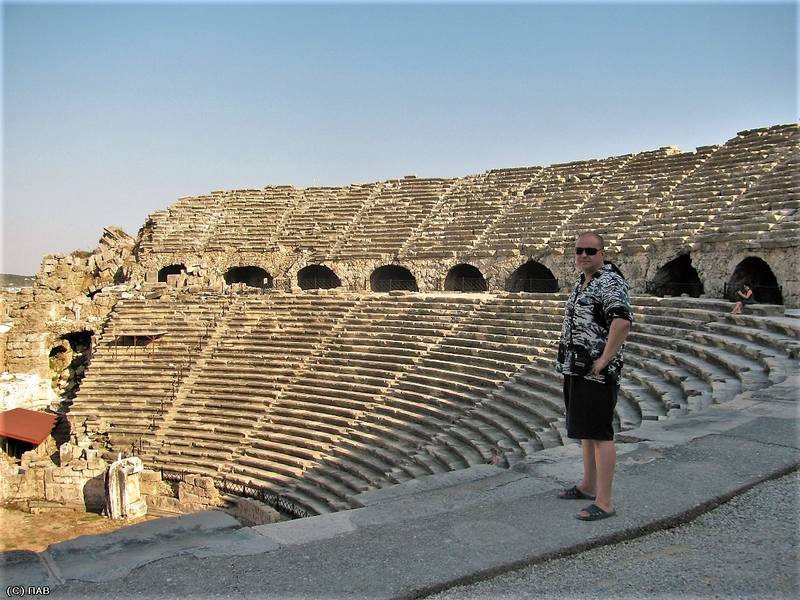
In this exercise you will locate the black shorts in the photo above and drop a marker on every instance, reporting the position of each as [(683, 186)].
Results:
[(590, 408)]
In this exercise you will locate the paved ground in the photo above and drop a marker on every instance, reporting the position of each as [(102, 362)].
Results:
[(430, 535), (746, 548)]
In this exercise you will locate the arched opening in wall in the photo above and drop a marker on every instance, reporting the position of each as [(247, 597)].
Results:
[(314, 277), (392, 277), (120, 276), (58, 360), (532, 277), (676, 277), (165, 272), (465, 278), (251, 276), (69, 359), (756, 273)]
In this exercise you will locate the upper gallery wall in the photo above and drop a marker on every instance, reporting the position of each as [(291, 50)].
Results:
[(719, 204)]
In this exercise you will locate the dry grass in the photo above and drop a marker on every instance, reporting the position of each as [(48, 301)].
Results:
[(23, 531)]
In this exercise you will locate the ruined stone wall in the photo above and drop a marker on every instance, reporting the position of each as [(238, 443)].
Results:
[(83, 273), (72, 293), (72, 477), (194, 494), (38, 484)]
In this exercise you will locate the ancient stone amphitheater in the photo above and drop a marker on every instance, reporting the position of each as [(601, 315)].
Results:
[(306, 345)]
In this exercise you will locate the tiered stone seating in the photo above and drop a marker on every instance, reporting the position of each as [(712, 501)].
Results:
[(768, 211), (349, 439), (466, 211), (323, 216), (319, 397), (398, 209), (633, 192), (560, 190), (682, 356), (497, 343), (677, 341), (712, 187), (251, 219), (129, 388), (185, 226), (258, 351)]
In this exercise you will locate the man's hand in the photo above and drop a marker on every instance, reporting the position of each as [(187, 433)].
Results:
[(598, 365), (616, 336)]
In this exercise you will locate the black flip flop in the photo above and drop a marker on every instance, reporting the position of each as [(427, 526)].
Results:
[(574, 493), (594, 513)]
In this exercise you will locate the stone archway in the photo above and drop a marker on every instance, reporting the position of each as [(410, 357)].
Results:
[(165, 272), (68, 360), (465, 278), (392, 277), (315, 277), (532, 277), (756, 273), (251, 276), (676, 277)]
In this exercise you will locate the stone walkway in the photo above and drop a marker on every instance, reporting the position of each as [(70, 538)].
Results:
[(746, 548)]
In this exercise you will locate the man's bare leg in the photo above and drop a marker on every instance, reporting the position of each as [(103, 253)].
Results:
[(588, 484), (605, 460)]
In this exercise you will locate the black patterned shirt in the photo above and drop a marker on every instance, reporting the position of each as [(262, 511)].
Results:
[(587, 319)]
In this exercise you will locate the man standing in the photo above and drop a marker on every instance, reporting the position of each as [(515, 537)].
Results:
[(596, 322)]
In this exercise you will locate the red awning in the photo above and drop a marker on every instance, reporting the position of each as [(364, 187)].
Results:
[(27, 425)]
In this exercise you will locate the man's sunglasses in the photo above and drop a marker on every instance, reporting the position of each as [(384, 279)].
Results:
[(588, 251)]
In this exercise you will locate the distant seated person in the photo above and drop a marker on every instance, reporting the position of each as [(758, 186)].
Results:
[(743, 296), (497, 460)]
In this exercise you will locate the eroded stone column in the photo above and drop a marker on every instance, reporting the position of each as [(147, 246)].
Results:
[(123, 496)]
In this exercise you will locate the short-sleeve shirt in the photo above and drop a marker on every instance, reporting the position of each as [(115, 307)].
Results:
[(588, 316)]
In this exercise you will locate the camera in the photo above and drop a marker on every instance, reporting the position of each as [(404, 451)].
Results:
[(581, 360)]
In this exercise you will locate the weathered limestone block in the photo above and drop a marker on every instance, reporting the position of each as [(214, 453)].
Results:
[(251, 512), (68, 493), (18, 486), (123, 496), (163, 504), (151, 484), (198, 490), (67, 452)]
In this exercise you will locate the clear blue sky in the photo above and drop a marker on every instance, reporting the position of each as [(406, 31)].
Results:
[(113, 111)]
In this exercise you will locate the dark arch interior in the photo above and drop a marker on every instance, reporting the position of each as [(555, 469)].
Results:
[(756, 273), (465, 278), (315, 277), (251, 276), (392, 277), (532, 277), (676, 277), (170, 270), (69, 360), (57, 350), (120, 276)]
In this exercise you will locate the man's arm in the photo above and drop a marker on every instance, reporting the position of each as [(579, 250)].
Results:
[(616, 337)]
